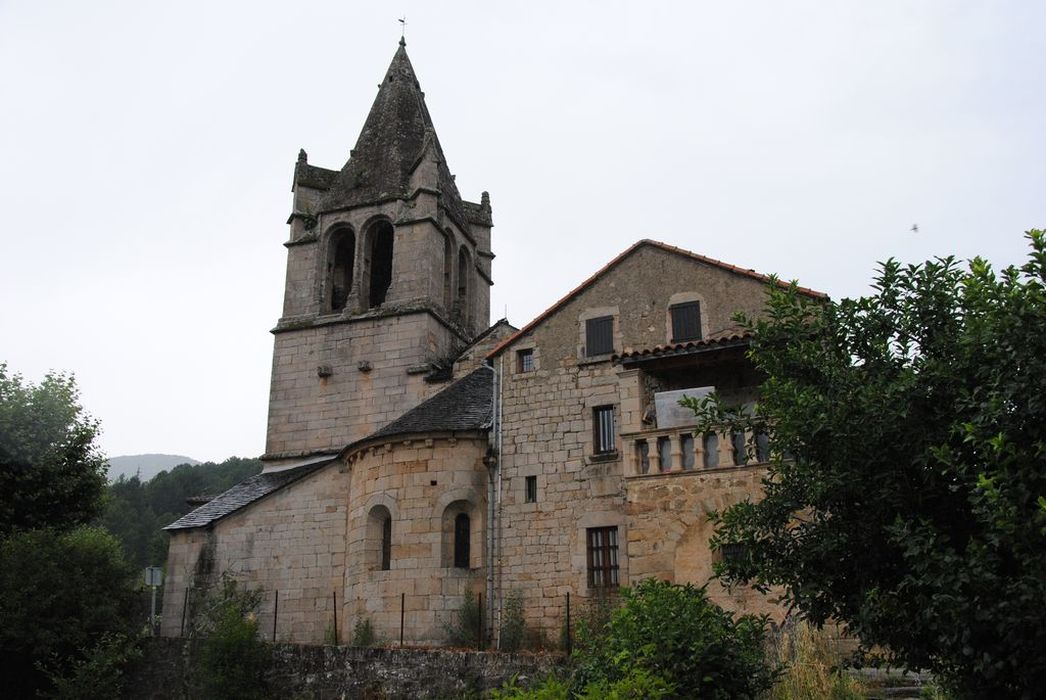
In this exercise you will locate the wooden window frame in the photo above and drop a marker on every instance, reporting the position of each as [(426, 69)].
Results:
[(602, 551), (530, 489), (604, 430), (525, 360)]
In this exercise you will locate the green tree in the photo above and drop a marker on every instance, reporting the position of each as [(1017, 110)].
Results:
[(62, 596), (51, 472), (136, 512), (913, 504)]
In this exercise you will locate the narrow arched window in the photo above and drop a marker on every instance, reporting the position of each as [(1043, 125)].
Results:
[(462, 534), (378, 263), (342, 258), (378, 549), (463, 277), (448, 272), (386, 543)]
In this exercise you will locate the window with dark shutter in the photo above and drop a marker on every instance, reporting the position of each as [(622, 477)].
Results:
[(686, 321), (603, 430), (602, 557), (599, 336)]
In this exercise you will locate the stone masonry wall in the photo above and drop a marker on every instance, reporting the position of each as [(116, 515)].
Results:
[(423, 482), (292, 541), (345, 673), (313, 413), (548, 429), (669, 529)]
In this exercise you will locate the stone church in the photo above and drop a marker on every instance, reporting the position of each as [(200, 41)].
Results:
[(413, 453)]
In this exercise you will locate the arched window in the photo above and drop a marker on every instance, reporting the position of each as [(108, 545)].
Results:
[(379, 539), (378, 263), (386, 543), (457, 523), (462, 533), (340, 261), (461, 298), (448, 271)]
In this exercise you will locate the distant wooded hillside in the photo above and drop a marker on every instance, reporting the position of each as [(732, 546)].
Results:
[(145, 466), (138, 510)]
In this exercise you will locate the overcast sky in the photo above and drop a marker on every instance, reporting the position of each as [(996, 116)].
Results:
[(147, 148)]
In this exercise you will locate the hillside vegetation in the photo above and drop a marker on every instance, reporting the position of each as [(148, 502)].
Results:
[(136, 511)]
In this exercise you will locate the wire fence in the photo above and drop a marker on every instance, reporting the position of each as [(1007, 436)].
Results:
[(511, 627)]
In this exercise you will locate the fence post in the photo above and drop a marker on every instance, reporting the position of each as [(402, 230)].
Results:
[(275, 612), (570, 643), (403, 605), (479, 625), (334, 594)]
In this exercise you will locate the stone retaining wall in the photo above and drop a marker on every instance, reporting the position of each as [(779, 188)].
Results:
[(333, 673)]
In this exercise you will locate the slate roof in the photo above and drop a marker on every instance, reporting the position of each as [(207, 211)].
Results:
[(467, 404), (613, 263), (246, 492), (395, 136), (313, 176)]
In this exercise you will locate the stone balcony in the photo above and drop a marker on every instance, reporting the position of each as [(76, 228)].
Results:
[(685, 449)]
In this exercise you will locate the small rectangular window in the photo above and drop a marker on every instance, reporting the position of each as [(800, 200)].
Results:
[(532, 489), (603, 429), (599, 336), (525, 360), (602, 557), (686, 321)]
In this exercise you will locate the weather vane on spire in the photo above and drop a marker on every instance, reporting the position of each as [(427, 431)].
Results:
[(403, 28)]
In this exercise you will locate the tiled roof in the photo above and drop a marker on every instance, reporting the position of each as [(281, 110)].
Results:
[(467, 404), (246, 492), (396, 135), (721, 341), (613, 263)]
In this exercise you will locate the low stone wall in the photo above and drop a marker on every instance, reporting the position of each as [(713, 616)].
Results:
[(335, 673)]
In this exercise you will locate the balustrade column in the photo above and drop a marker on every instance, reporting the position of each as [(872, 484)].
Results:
[(726, 449), (676, 452)]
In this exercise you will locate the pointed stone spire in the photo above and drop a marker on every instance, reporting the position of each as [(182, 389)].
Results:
[(397, 131)]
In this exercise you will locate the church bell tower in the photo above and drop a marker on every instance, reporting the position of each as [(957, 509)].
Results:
[(388, 275)]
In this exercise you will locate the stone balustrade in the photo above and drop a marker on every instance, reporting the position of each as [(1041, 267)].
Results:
[(686, 449)]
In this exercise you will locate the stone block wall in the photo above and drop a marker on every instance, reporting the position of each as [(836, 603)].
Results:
[(547, 433), (669, 529), (313, 413), (292, 541), (423, 482), (345, 673)]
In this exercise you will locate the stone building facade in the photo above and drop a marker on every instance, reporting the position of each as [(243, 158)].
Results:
[(415, 454)]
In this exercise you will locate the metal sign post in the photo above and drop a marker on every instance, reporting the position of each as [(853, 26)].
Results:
[(153, 578)]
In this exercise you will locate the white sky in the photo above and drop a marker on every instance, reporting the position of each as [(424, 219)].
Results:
[(147, 148)]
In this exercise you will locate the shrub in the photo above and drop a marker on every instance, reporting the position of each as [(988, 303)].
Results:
[(363, 634), (811, 668), (513, 624), (99, 673), (462, 629), (232, 658), (675, 634)]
